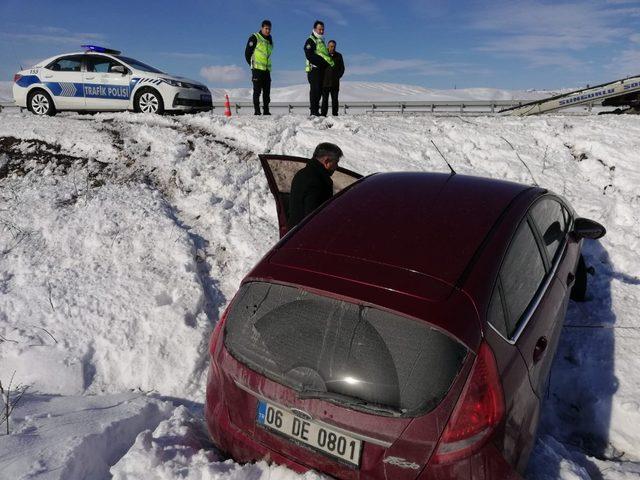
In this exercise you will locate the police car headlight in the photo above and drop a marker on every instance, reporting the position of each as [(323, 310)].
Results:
[(176, 83)]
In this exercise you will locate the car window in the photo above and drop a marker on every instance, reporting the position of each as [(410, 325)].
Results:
[(521, 275), (139, 65), (100, 64), (496, 315), (552, 222), (311, 342), (66, 64)]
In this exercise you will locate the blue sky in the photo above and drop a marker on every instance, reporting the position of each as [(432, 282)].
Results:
[(431, 43)]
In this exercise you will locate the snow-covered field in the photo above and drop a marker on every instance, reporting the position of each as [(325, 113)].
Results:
[(123, 236)]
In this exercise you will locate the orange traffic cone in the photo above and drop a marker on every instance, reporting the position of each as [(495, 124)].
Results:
[(227, 106)]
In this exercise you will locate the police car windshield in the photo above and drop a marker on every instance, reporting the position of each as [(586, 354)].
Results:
[(139, 65)]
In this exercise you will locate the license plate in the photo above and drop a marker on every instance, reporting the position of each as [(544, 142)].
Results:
[(310, 433)]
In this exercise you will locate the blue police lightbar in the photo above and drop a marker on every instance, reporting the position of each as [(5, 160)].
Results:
[(96, 48)]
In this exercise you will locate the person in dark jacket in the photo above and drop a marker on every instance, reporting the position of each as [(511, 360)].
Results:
[(312, 185), (318, 60), (331, 83), (258, 56)]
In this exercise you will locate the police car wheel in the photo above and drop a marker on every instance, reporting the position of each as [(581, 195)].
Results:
[(149, 101), (40, 103)]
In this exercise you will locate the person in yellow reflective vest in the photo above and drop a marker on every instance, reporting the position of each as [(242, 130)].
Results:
[(318, 60), (258, 56)]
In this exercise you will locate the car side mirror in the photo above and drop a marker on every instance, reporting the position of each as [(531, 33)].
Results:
[(553, 233), (118, 69), (585, 228)]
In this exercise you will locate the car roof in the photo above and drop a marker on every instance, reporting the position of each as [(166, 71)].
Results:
[(426, 223)]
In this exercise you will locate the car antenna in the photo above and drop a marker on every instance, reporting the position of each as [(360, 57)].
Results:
[(453, 172), (521, 161)]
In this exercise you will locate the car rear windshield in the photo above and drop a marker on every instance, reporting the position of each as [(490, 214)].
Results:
[(357, 355)]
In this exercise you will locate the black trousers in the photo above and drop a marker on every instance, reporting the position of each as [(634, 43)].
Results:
[(315, 77), (326, 91), (261, 85)]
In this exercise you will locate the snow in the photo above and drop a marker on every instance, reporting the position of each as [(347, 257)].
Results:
[(96, 431), (6, 91), (124, 236), (175, 446)]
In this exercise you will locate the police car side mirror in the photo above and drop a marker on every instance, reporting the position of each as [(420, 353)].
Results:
[(118, 69)]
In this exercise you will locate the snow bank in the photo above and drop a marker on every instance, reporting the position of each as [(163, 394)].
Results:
[(101, 281), (70, 437), (124, 237), (177, 449)]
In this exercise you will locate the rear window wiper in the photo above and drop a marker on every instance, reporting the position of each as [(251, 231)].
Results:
[(347, 400)]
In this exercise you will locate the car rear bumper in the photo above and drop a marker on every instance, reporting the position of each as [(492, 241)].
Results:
[(233, 441), (487, 464), (19, 95)]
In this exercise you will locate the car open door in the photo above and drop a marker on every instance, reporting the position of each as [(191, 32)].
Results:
[(280, 170)]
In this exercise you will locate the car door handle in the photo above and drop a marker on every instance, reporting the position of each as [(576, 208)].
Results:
[(539, 349), (571, 279), (48, 76), (91, 77)]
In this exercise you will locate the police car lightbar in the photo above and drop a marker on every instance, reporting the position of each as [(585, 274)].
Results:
[(96, 48)]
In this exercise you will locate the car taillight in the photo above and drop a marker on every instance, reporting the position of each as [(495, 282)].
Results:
[(16, 77), (479, 409)]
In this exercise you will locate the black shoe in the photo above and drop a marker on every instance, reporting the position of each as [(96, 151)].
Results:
[(257, 112), (266, 112)]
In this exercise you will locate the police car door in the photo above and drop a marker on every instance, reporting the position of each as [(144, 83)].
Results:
[(280, 170), (63, 78), (106, 83)]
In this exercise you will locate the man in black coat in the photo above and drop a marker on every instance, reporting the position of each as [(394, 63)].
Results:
[(257, 53), (331, 84), (312, 185)]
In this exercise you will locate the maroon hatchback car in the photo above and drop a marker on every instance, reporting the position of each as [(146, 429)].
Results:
[(403, 330)]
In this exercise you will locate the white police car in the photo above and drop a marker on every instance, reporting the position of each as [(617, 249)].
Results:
[(101, 79)]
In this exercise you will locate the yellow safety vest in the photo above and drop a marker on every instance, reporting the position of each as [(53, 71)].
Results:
[(261, 58), (321, 49)]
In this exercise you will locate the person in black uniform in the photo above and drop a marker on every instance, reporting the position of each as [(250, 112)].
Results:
[(318, 60), (331, 83), (258, 56), (312, 185)]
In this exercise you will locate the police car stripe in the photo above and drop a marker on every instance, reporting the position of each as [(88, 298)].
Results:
[(28, 80), (68, 89)]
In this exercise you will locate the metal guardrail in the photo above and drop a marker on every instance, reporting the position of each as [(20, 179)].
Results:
[(449, 106), (436, 106)]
